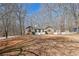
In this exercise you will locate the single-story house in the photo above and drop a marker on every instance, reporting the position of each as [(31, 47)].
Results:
[(49, 30), (39, 31)]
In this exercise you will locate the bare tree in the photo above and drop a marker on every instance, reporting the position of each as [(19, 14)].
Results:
[(21, 15), (10, 14)]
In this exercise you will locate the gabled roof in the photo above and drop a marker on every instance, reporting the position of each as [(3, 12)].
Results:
[(29, 27), (49, 27)]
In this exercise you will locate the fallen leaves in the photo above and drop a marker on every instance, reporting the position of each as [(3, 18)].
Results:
[(39, 45)]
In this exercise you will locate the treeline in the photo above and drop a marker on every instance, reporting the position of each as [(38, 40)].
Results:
[(12, 18)]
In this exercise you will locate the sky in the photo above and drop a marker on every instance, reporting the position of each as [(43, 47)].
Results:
[(32, 8)]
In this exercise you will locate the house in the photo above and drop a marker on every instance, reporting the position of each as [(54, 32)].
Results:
[(42, 31), (34, 31), (39, 31), (49, 30), (28, 30)]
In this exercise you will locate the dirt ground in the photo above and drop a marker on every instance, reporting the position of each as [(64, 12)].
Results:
[(41, 45)]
